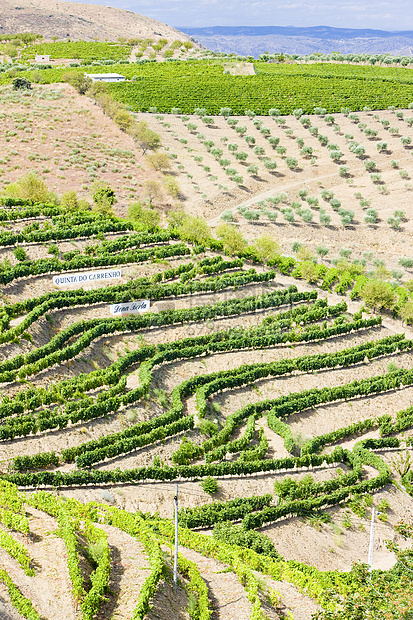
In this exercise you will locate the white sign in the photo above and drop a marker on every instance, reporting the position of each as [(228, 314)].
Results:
[(132, 307), (89, 276)]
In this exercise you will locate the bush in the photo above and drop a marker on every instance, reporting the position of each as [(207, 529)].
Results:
[(369, 165), (79, 81), (406, 261), (322, 250), (394, 222), (195, 230), (21, 83), (336, 155), (227, 216), (104, 199), (325, 219), (232, 239), (142, 218), (20, 253), (29, 187), (378, 294), (252, 169), (209, 485), (291, 162), (172, 186)]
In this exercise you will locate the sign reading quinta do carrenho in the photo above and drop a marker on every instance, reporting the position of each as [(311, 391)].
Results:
[(69, 279), (132, 307)]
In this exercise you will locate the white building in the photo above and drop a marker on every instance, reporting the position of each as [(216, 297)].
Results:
[(42, 58), (105, 77)]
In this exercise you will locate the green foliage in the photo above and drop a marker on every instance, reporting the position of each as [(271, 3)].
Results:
[(232, 240), (104, 199), (218, 512), (82, 50), (143, 218), (79, 81), (231, 534), (20, 83), (22, 604), (20, 253), (209, 485), (378, 294), (194, 229), (29, 187)]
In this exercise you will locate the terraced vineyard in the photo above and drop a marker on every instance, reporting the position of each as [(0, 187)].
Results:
[(282, 411)]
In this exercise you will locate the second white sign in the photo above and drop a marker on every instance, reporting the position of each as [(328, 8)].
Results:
[(131, 307)]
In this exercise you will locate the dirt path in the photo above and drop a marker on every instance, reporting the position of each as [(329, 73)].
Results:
[(129, 569), (227, 595), (50, 589), (270, 192), (301, 606), (7, 611)]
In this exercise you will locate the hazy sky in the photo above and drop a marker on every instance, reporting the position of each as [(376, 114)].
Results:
[(378, 14)]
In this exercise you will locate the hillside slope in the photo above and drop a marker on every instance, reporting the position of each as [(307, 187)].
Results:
[(256, 40), (80, 21)]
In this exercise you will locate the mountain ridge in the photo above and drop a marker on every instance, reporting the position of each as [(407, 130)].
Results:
[(255, 40), (326, 32)]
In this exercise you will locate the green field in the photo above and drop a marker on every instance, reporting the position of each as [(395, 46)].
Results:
[(82, 50), (191, 84)]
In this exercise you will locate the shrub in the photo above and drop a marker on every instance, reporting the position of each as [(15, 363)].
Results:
[(20, 254), (227, 216), (209, 485), (270, 165), (336, 155), (346, 216), (29, 187), (406, 261), (378, 294), (371, 216), (104, 199), (345, 252), (252, 169), (143, 219), (322, 250), (375, 177), (369, 165), (335, 203), (325, 219), (259, 151), (327, 195), (394, 222), (291, 162), (21, 83), (232, 239), (195, 230), (266, 248), (306, 215)]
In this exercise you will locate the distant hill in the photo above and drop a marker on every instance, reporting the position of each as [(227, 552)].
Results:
[(80, 21), (255, 40)]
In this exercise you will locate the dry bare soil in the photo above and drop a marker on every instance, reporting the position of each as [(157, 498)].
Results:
[(87, 22), (67, 139), (209, 191)]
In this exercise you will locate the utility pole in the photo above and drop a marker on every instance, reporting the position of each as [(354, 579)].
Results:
[(370, 560), (176, 540)]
